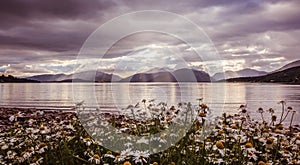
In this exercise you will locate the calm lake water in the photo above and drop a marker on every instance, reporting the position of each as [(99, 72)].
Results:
[(221, 97)]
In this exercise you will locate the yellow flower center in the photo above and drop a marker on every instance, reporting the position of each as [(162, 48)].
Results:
[(220, 145), (248, 145), (127, 163), (202, 114), (221, 131), (234, 127), (96, 156), (42, 144), (270, 140)]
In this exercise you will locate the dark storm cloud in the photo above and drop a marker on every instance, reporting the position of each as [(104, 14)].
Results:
[(48, 25), (187, 6), (19, 12), (247, 17), (43, 38), (44, 31)]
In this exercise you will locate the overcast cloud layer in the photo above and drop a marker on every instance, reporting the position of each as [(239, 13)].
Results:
[(38, 37)]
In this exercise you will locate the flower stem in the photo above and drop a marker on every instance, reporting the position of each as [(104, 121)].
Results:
[(282, 112), (79, 158), (262, 116), (292, 120), (284, 117)]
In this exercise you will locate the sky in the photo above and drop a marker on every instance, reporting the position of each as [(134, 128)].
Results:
[(51, 36)]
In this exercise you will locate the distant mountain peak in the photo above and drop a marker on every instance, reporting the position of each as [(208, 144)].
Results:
[(179, 75), (47, 77)]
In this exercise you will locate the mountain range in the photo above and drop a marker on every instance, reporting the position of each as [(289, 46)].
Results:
[(86, 76), (180, 75), (241, 73)]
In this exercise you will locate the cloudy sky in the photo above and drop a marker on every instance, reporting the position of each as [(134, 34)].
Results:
[(40, 37)]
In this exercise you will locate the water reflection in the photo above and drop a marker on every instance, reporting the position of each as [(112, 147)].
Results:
[(219, 96)]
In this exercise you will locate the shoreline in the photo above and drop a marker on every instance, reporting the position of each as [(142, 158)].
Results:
[(27, 114), (40, 108), (162, 82)]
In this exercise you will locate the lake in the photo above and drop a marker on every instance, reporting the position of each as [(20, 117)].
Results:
[(220, 97)]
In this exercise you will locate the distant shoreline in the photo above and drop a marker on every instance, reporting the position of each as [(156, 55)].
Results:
[(214, 82)]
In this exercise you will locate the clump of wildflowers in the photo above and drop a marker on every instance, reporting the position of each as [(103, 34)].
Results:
[(51, 137)]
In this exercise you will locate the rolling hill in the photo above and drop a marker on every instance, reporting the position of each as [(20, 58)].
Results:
[(48, 77), (290, 75), (235, 74), (289, 65)]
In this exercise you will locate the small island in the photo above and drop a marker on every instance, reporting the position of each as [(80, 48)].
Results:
[(10, 78)]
